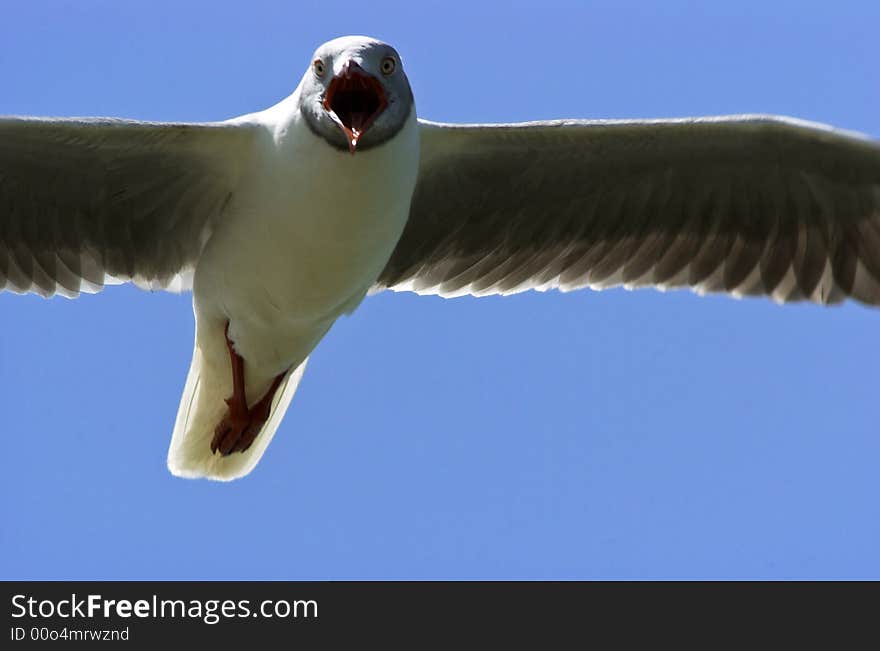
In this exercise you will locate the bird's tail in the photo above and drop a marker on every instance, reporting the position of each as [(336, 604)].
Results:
[(201, 409)]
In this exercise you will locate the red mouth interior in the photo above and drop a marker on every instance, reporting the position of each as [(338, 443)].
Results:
[(356, 99)]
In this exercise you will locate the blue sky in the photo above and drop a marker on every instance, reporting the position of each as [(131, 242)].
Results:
[(588, 435)]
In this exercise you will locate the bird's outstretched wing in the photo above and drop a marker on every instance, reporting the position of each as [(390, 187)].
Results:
[(89, 201), (742, 204)]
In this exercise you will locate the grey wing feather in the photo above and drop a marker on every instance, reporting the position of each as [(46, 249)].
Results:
[(84, 202), (748, 205)]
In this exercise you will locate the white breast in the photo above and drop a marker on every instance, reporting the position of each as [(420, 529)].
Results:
[(305, 236)]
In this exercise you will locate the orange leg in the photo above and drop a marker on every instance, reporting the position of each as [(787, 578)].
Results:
[(238, 429)]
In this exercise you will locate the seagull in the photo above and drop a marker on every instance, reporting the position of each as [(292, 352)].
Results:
[(284, 220)]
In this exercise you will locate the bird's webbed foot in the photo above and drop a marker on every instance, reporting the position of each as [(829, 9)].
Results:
[(240, 426)]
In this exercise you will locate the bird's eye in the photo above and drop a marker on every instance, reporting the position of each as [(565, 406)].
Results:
[(388, 65), (318, 65)]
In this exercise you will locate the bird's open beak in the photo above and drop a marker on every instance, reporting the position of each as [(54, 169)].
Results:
[(354, 100)]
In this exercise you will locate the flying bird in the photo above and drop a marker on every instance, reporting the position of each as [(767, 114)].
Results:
[(282, 221)]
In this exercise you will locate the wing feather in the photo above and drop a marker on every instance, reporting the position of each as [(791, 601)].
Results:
[(86, 202), (743, 205)]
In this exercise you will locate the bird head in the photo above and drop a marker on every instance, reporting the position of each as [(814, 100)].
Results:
[(355, 94)]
